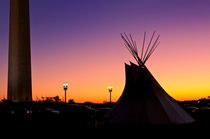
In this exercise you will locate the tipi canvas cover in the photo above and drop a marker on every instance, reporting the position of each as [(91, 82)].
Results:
[(143, 100)]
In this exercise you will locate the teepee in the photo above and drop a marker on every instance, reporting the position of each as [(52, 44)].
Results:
[(143, 100)]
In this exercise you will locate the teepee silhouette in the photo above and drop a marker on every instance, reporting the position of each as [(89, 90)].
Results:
[(143, 100)]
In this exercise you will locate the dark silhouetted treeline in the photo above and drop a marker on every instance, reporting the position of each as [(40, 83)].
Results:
[(86, 114)]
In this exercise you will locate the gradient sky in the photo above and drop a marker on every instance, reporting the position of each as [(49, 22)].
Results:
[(78, 41)]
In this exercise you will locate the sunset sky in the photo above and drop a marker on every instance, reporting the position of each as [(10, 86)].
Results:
[(78, 41)]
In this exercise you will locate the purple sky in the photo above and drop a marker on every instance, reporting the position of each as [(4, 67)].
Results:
[(71, 35)]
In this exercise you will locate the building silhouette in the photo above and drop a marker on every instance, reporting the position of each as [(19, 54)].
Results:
[(19, 66)]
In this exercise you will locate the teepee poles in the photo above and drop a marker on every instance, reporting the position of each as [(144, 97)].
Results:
[(132, 47), (148, 45), (151, 52), (143, 45), (155, 44)]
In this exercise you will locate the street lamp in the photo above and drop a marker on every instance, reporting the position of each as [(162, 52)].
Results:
[(110, 91), (65, 87)]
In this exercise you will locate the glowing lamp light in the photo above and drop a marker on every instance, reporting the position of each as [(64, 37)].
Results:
[(65, 87), (110, 91)]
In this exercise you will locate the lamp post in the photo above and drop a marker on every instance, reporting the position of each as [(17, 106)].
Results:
[(65, 87), (110, 91)]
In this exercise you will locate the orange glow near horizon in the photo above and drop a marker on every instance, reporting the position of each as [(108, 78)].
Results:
[(184, 77), (81, 45)]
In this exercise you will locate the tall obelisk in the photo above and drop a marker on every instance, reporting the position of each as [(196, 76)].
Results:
[(19, 66)]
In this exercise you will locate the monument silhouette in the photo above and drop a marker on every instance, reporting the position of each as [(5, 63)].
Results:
[(19, 63)]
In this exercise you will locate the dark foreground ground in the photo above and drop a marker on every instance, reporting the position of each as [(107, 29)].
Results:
[(85, 115)]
